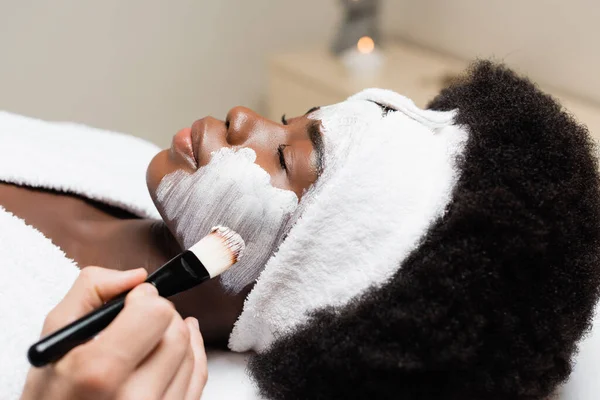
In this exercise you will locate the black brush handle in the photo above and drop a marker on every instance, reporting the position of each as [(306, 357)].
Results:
[(181, 273), (54, 346)]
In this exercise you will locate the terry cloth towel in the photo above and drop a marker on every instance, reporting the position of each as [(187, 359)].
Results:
[(362, 217), (103, 166)]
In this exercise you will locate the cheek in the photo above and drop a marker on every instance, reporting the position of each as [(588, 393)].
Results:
[(280, 181), (278, 177), (232, 191), (157, 169), (267, 160), (161, 165)]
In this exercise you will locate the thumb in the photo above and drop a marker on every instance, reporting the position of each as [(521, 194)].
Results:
[(93, 287)]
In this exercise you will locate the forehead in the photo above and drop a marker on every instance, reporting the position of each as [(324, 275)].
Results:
[(346, 112), (364, 109), (363, 122), (360, 110), (344, 124)]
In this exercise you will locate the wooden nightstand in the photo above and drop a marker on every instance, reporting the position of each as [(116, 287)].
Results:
[(299, 81)]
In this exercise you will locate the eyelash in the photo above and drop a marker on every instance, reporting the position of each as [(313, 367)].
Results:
[(283, 120), (281, 156), (385, 110)]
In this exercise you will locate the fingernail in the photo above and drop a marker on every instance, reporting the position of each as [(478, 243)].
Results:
[(138, 270), (131, 272), (148, 289), (195, 323)]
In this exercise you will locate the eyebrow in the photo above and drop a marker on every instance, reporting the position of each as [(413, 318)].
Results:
[(316, 138), (311, 110)]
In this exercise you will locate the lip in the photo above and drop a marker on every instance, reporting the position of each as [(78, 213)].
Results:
[(182, 144), (199, 129)]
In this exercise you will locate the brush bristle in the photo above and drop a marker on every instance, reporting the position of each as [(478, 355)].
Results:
[(219, 250)]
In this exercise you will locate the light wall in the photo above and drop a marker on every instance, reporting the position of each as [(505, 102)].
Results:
[(554, 41), (147, 67), (150, 67)]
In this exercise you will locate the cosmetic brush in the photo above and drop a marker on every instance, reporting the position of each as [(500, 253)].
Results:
[(208, 258)]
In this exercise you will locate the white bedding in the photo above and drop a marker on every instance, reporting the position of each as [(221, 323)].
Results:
[(105, 166), (110, 167), (227, 378)]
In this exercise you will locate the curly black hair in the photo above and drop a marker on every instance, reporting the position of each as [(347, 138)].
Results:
[(494, 299)]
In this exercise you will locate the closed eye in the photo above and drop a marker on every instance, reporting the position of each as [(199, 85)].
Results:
[(385, 110), (281, 156)]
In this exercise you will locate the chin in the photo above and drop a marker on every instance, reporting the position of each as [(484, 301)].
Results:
[(160, 166)]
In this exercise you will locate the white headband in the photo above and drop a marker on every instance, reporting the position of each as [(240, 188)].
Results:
[(387, 177)]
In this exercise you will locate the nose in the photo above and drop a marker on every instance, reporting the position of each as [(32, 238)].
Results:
[(242, 123)]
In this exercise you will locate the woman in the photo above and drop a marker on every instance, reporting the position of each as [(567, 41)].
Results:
[(419, 253), (92, 233)]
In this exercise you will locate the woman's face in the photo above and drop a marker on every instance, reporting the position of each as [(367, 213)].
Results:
[(290, 151), (249, 173), (246, 173)]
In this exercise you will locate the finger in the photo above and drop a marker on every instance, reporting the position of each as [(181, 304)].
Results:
[(200, 372), (155, 374), (128, 340), (178, 387), (92, 288)]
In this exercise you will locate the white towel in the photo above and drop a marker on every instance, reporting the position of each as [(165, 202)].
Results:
[(35, 276), (362, 217), (100, 165), (104, 166)]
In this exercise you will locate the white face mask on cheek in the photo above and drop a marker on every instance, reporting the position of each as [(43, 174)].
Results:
[(235, 192)]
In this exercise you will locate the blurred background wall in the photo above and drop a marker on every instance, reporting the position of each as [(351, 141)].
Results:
[(147, 67), (150, 67), (557, 42)]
